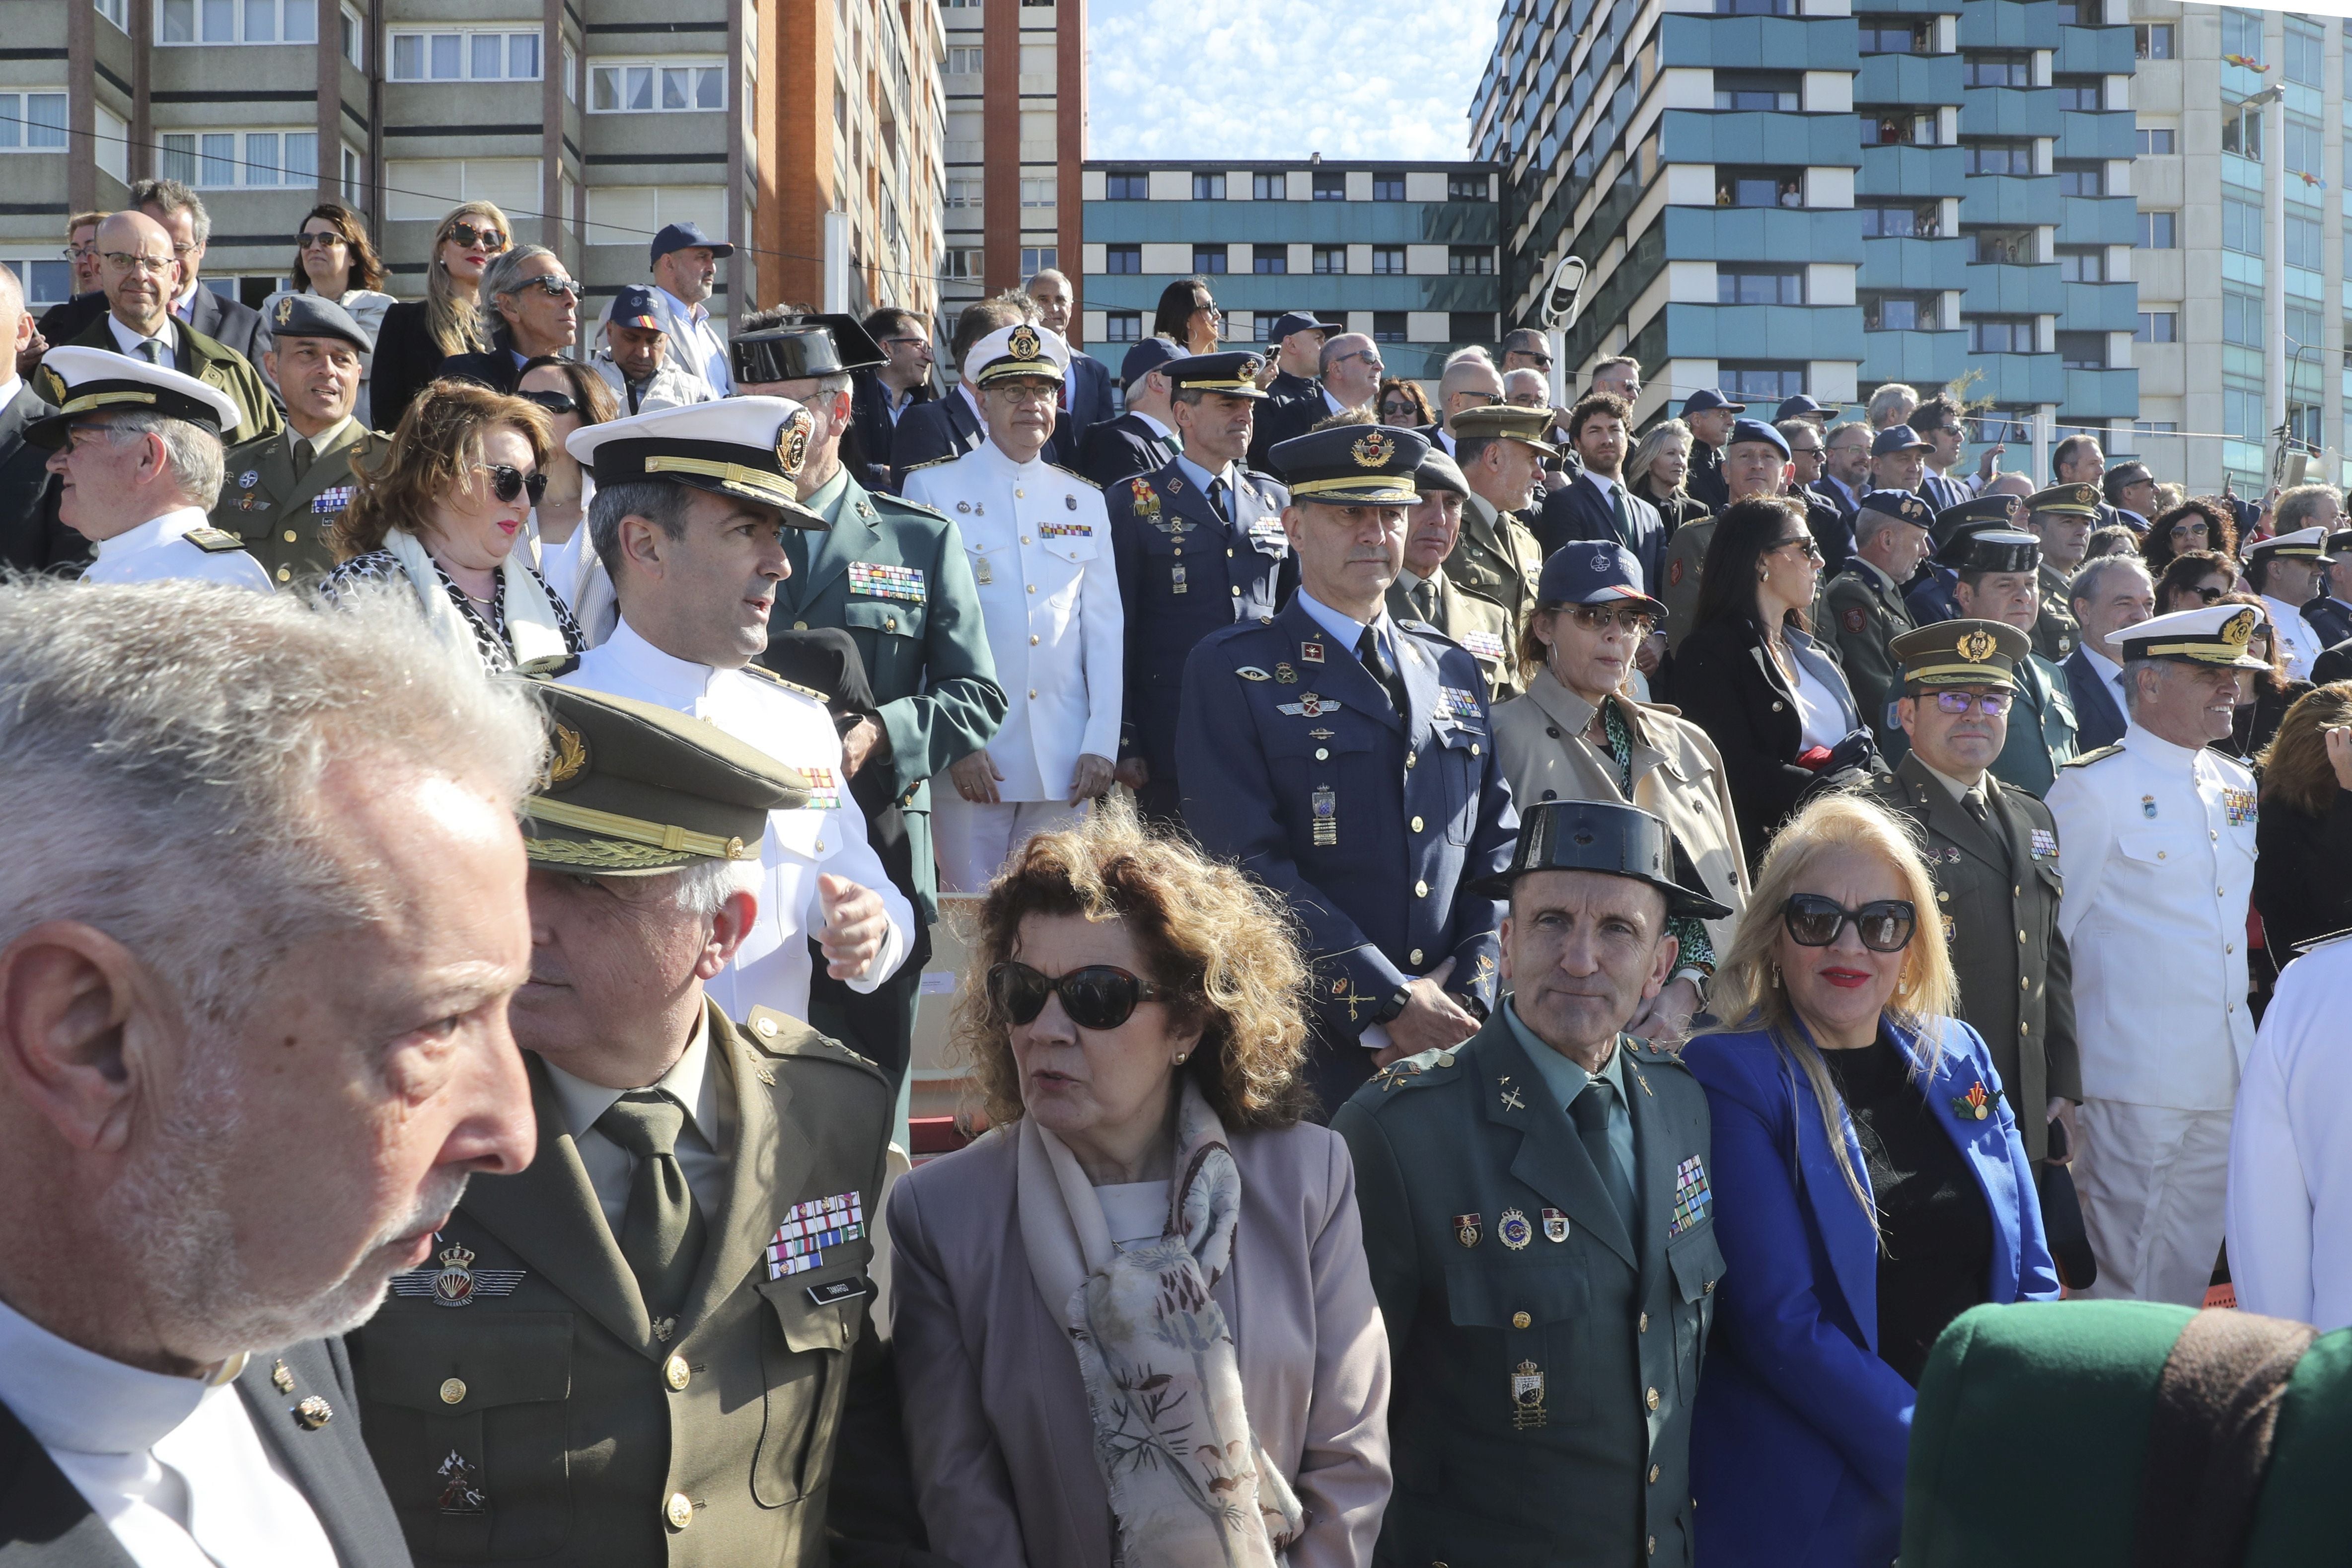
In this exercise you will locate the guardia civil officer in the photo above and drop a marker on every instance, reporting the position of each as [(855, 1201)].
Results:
[(1864, 602), (287, 490), (1347, 763), (1992, 850), (1540, 1230), (1200, 545), (1995, 578), (637, 1350), (1930, 598)]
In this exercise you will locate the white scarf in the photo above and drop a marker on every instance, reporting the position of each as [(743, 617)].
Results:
[(533, 633), (1190, 1484), (574, 570)]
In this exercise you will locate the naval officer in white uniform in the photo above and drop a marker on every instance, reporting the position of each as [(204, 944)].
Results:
[(139, 450), (2291, 1150), (2156, 846), (1038, 541), (689, 507), (2286, 570)]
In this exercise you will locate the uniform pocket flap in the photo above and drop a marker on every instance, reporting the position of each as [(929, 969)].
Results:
[(818, 1310), (1697, 1262), (1495, 1296), (892, 617), (499, 1358), (2160, 846)]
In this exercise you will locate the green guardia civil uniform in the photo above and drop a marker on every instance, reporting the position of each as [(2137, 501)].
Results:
[(285, 518), (1863, 610), (2057, 633), (2040, 729)]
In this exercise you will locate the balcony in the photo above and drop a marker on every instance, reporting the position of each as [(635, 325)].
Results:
[(1757, 43), (1995, 289), (2096, 220), (1761, 234), (2012, 199), (1914, 264), (1916, 80), (1913, 171), (2099, 307), (2102, 393), (1692, 136), (2010, 25), (1764, 332), (2093, 51), (2009, 111), (1923, 359), (2105, 135), (2009, 380)]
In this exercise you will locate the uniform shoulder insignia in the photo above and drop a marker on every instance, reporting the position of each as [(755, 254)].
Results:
[(781, 1034), (2096, 754), (934, 463), (1076, 475), (771, 675), (2315, 943), (213, 540), (1409, 1072)]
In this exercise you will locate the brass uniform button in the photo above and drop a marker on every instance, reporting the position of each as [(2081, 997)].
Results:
[(1416, 825), (678, 1510), (1650, 1398), (1322, 755), (1445, 1059), (1474, 748), (453, 1391), (286, 573), (676, 1373), (800, 626), (1033, 694), (890, 624), (1421, 889), (2024, 983), (1641, 1324), (1653, 1475), (1413, 957), (289, 536), (1520, 1320), (1032, 639), (1410, 758), (1238, 593), (1033, 587)]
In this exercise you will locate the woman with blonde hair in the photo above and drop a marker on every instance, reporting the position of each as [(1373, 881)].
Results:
[(1869, 1186), (1134, 1322), (2303, 840), (1656, 468), (419, 334), (445, 510)]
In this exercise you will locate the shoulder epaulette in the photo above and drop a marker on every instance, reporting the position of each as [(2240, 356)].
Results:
[(213, 540), (809, 691), (2096, 754), (1076, 475), (781, 1034), (2316, 943), (933, 463), (1413, 1071)]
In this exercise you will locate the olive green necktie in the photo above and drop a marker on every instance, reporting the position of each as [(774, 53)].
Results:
[(1589, 1111), (661, 1230)]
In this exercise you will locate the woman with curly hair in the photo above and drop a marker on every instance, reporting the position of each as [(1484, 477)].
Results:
[(334, 259), (2303, 865), (1134, 1323), (1404, 405), (2199, 524)]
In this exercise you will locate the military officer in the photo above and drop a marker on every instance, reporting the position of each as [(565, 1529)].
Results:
[(639, 1350), (1959, 681), (1198, 545), (1347, 762), (1500, 450), (1423, 593), (124, 489), (1996, 581), (891, 575), (287, 490), (2061, 517), (1863, 606), (1930, 598), (1037, 539), (1536, 1220), (2285, 570)]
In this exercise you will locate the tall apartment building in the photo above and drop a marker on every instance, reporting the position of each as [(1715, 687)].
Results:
[(1405, 252), (1016, 132), (2241, 230), (1785, 196), (805, 131)]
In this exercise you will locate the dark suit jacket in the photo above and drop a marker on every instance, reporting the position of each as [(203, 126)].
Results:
[(1121, 448), (45, 1524), (1089, 391), (213, 363), (1576, 510), (2330, 618), (496, 369), (870, 403), (31, 537), (1673, 511), (947, 428), (2099, 717), (1725, 683), (2333, 665), (406, 357), (1704, 479), (1278, 422), (64, 323)]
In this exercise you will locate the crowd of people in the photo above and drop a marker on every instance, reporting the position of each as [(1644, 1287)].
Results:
[(1491, 1011)]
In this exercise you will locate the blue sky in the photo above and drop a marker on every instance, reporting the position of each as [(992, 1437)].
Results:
[(1282, 78)]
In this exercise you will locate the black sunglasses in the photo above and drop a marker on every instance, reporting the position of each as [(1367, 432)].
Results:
[(507, 481), (1884, 925), (318, 239), (467, 235), (554, 402), (1095, 997)]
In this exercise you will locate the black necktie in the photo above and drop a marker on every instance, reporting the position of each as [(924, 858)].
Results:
[(661, 1229), (1217, 502), (1624, 523), (1589, 1111), (1975, 802), (1369, 651)]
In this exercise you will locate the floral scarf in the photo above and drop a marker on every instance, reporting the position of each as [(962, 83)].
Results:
[(1190, 1487)]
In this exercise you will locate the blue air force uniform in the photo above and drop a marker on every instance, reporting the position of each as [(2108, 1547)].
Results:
[(1374, 826)]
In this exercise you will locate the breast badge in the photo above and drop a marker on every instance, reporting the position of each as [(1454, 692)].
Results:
[(1513, 1230), (1308, 705), (1528, 1397), (1466, 1229), (1324, 805), (456, 1282), (1555, 1225), (461, 1487), (1252, 672)]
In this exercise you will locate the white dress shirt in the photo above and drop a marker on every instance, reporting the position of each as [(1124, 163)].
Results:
[(127, 341), (694, 341), (157, 551), (9, 389), (701, 1142), (2298, 644), (772, 968), (172, 1465), (2291, 1150)]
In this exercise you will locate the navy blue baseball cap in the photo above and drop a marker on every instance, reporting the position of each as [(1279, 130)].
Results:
[(1707, 397), (1757, 430), (1304, 321), (685, 236), (1145, 357), (633, 306), (1902, 506), (1803, 407), (1898, 438), (1594, 572)]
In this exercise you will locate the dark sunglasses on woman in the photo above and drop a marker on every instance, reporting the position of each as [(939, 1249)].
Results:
[(1095, 997), (507, 481), (554, 402), (1884, 925), (467, 235), (318, 239)]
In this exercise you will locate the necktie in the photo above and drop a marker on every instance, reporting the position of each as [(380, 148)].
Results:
[(1424, 599), (299, 455), (661, 1230), (1217, 502), (1624, 523), (1589, 1111), (1974, 801), (1369, 651), (150, 350)]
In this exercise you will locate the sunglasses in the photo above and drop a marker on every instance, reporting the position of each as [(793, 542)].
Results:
[(1095, 997), (554, 402), (2211, 596), (551, 285), (323, 239), (507, 481), (1884, 925), (467, 235), (1812, 550), (1599, 618), (1992, 704)]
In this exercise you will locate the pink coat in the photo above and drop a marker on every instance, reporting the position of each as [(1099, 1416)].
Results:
[(996, 1413)]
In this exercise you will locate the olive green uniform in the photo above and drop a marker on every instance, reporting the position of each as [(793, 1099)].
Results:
[(1545, 1360), (283, 521), (2055, 634), (1863, 611), (1497, 558), (1480, 627)]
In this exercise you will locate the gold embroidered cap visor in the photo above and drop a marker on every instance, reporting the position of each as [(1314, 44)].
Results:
[(1353, 465), (635, 789), (2212, 634), (1961, 653), (751, 448)]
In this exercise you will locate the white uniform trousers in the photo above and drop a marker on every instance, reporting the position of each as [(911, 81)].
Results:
[(973, 839), (2154, 1183)]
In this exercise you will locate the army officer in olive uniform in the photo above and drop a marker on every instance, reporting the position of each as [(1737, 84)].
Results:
[(1501, 450), (640, 1350), (1422, 592), (1540, 1230), (287, 490), (1993, 852)]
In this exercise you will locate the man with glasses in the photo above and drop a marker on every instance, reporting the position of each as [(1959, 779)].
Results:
[(2131, 492), (1864, 607), (536, 308), (685, 263), (1468, 381), (287, 490), (1846, 468), (951, 425), (1619, 376), (222, 317), (139, 269), (1524, 348), (1710, 415), (2107, 597), (883, 394), (1993, 851), (634, 359), (1349, 369), (1938, 420), (1085, 395), (1807, 449), (1996, 578)]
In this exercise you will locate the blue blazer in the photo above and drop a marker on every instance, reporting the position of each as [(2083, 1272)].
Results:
[(2099, 716), (1800, 1433)]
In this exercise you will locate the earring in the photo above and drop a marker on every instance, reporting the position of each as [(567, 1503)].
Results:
[(1180, 1056), (1776, 977)]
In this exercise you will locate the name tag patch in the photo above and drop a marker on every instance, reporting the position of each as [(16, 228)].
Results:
[(810, 1227), (881, 582), (837, 1290), (1485, 644), (1692, 1197), (334, 498)]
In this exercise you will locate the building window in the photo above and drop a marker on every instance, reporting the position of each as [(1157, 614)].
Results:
[(1389, 326), (964, 264), (1470, 260), (2155, 41), (1900, 314), (1466, 188), (963, 62), (1469, 327), (2303, 242), (2007, 67), (355, 176), (225, 160), (959, 5), (2083, 351), (2001, 335), (1123, 258), (232, 22), (466, 56), (2241, 131), (655, 87), (2242, 317), (2242, 227), (2158, 231), (2304, 146), (1759, 285), (1270, 259), (1759, 188), (2144, 428), (1266, 187), (2003, 246), (1904, 220), (2083, 263), (45, 283), (1036, 258), (2306, 52), (2242, 412), (1038, 193), (1387, 260), (2081, 177), (2241, 33), (1330, 258), (1780, 90), (2157, 327), (1123, 327), (1999, 157), (2084, 94), (1208, 258), (1331, 185), (1127, 187), (117, 11), (2158, 141), (1388, 188), (1208, 187), (1760, 383), (34, 122), (965, 193), (1896, 35), (1897, 128)]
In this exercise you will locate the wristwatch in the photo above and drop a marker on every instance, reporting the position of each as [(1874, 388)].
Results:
[(1395, 1006)]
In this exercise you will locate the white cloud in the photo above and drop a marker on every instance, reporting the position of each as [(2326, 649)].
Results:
[(1252, 79)]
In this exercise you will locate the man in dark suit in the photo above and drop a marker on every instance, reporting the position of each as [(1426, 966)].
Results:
[(220, 317), (1710, 416), (538, 305), (1595, 503), (1807, 451), (2106, 595), (1086, 391), (881, 397), (1143, 439), (1298, 338), (2078, 460), (175, 1266), (1349, 372), (30, 535), (2330, 614)]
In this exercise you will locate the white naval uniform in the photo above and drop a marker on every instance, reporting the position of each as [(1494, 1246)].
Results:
[(772, 968), (2157, 849), (157, 551), (1037, 539), (2298, 644), (2291, 1150)]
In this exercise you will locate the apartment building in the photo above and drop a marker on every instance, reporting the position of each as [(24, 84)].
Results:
[(1016, 132)]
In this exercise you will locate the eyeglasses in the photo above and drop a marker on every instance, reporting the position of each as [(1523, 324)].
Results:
[(467, 235), (554, 402), (1992, 704), (81, 252), (2211, 596), (319, 239), (1095, 997), (1884, 925), (1540, 362), (1812, 550), (507, 481), (1600, 618), (1805, 451), (553, 285), (2187, 531), (125, 261), (903, 342)]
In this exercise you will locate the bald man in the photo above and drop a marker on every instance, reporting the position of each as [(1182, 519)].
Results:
[(1086, 391), (1469, 381)]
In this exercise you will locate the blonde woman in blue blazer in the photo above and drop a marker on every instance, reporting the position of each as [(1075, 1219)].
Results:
[(1869, 1186)]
